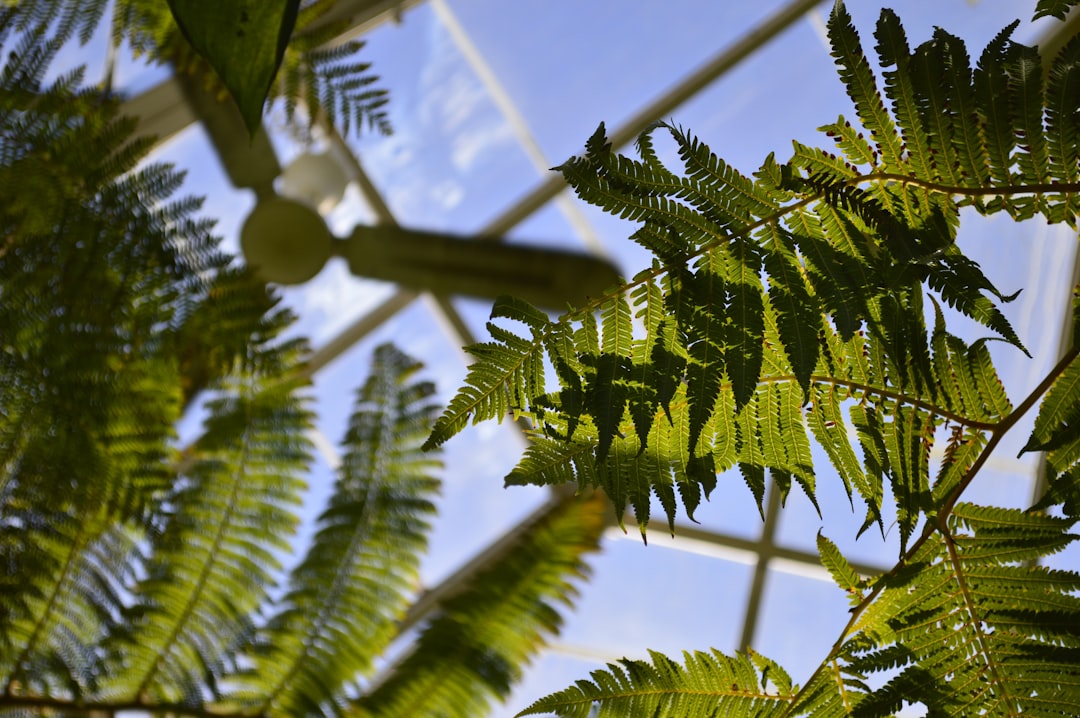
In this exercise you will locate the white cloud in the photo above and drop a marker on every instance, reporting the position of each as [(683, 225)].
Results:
[(472, 143), (352, 211), (454, 97), (457, 105), (448, 194), (335, 298)]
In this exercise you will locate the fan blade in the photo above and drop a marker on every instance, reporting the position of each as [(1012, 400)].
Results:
[(250, 162), (438, 263), (445, 264)]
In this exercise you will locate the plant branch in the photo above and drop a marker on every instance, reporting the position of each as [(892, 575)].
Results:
[(1002, 429), (975, 621), (938, 525), (95, 709), (1042, 188)]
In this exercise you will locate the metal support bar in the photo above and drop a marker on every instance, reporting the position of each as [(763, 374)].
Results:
[(687, 535), (518, 124), (662, 106), (162, 112), (358, 16), (761, 570)]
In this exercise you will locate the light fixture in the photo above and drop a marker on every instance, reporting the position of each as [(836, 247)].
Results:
[(285, 239), (316, 179)]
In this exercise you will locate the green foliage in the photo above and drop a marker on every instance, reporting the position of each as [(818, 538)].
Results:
[(790, 307), (775, 301), (142, 575), (1053, 8), (287, 58), (708, 682), (474, 649), (244, 41)]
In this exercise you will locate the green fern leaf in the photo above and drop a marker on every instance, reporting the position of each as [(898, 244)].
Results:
[(1023, 68), (852, 143), (967, 140), (479, 640), (703, 295), (715, 186), (211, 565), (833, 275), (908, 439), (1053, 8), (962, 450), (798, 314), (893, 51), (744, 327), (1062, 130), (346, 595), (1059, 412), (708, 684), (770, 280), (792, 428), (750, 450), (606, 397), (827, 423), (991, 97), (842, 572), (1008, 627), (506, 371), (942, 98), (859, 80), (868, 427)]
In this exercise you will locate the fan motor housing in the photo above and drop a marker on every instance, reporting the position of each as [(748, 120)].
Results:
[(285, 241)]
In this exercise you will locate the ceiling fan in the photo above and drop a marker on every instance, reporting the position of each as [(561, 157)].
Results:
[(287, 241)]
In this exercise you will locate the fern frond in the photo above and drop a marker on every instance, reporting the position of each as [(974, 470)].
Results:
[(344, 598), (843, 574), (90, 395), (991, 97), (679, 446), (212, 562), (893, 51), (1053, 8), (1062, 130), (1059, 415), (707, 684), (474, 649), (793, 298), (1004, 632), (504, 374), (858, 78), (63, 18), (798, 312), (329, 80)]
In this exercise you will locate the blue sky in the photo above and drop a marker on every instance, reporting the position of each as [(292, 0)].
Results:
[(455, 163)]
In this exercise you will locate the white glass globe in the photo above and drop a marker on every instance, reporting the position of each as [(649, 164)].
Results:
[(316, 179), (285, 241)]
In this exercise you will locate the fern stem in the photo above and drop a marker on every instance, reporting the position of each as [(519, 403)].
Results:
[(44, 620), (971, 606), (204, 575), (896, 396), (1037, 188), (95, 709), (840, 685), (938, 525), (1003, 428)]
